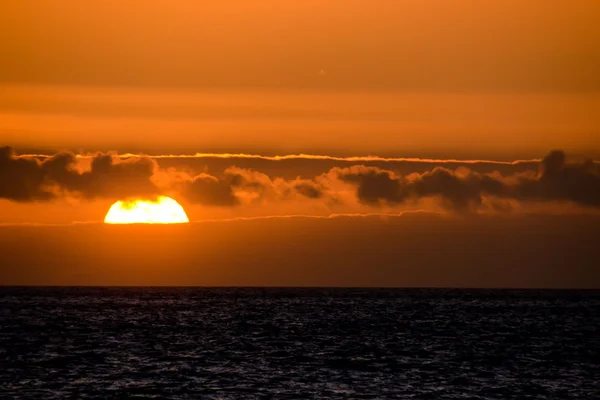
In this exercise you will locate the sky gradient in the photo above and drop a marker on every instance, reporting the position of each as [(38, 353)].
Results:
[(427, 78), (342, 140)]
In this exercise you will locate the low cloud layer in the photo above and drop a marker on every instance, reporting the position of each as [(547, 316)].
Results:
[(31, 179), (464, 189), (108, 176)]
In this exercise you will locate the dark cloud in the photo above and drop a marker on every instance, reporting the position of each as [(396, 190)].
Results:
[(259, 186), (108, 177), (208, 190), (559, 180), (29, 179), (233, 187), (464, 189), (240, 185), (373, 184), (22, 179), (308, 189), (460, 189)]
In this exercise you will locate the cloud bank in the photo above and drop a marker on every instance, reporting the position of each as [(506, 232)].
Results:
[(108, 176), (462, 188)]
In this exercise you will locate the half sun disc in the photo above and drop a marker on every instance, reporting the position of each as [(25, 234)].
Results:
[(163, 210)]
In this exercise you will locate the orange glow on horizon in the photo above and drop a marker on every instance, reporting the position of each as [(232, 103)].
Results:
[(163, 210)]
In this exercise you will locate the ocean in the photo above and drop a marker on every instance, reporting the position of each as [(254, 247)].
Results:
[(298, 343)]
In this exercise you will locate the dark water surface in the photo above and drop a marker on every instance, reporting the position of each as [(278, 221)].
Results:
[(58, 343)]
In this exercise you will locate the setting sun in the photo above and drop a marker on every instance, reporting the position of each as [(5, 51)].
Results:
[(163, 210)]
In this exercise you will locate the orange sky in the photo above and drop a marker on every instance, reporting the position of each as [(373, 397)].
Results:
[(507, 79), (415, 45), (448, 92), (160, 121)]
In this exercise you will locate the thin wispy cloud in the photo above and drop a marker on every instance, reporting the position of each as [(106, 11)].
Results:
[(300, 156)]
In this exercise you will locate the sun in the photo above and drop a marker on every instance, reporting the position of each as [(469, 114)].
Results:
[(163, 210)]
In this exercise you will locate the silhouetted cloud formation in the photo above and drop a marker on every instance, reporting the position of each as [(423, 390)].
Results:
[(462, 189), (374, 185), (309, 189), (23, 179), (208, 190), (559, 180), (108, 176), (255, 187)]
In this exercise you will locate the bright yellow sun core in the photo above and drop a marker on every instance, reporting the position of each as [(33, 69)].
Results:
[(163, 210)]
